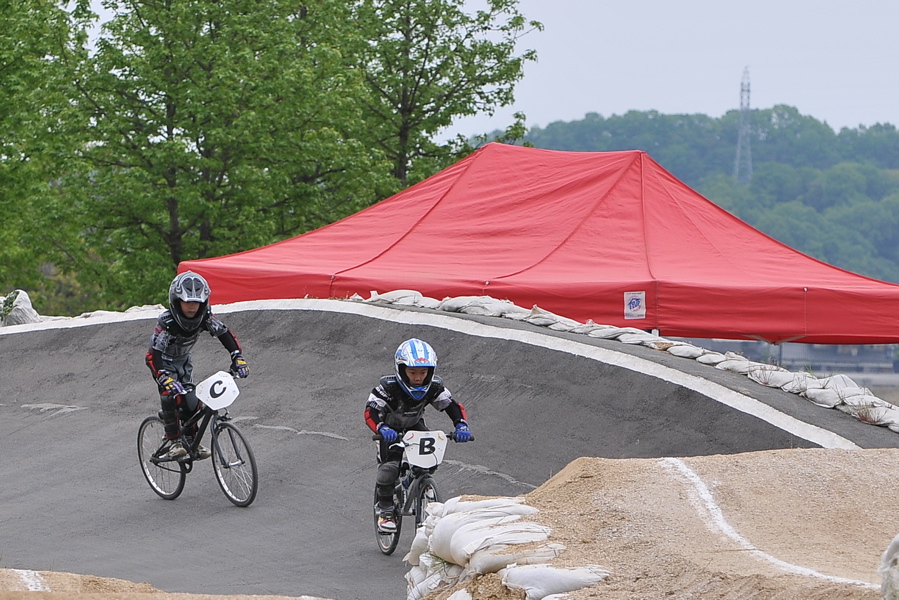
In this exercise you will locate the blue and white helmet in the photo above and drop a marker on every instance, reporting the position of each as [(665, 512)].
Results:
[(189, 287), (415, 353)]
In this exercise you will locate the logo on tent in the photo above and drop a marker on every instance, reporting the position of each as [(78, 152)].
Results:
[(634, 305)]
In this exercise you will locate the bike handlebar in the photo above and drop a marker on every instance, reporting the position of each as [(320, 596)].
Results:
[(450, 434)]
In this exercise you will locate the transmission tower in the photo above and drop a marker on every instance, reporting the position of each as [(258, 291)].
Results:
[(743, 162)]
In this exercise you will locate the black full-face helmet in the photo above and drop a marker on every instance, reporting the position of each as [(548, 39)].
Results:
[(415, 353), (189, 287)]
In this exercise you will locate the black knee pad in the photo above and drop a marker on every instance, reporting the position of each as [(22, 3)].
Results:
[(387, 474)]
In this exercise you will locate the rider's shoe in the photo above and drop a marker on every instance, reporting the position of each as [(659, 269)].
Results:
[(203, 452), (386, 521), (175, 451)]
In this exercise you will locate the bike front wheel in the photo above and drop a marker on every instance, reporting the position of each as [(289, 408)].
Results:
[(427, 493), (166, 477), (234, 464), (387, 542)]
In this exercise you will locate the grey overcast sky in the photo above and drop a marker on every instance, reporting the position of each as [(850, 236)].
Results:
[(834, 60)]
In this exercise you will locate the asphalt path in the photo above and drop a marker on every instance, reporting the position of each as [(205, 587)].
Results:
[(73, 498)]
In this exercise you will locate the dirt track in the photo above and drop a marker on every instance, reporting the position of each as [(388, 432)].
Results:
[(827, 512), (634, 512)]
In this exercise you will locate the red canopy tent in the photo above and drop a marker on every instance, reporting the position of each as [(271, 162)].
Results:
[(610, 237)]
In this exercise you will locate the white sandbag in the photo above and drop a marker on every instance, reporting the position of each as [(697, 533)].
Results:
[(419, 546), (460, 595), (866, 399), (826, 397), (736, 365), (511, 506), (459, 302), (539, 581), (403, 297), (890, 417), (486, 306), (607, 333), (802, 382), (762, 371), (470, 540), (449, 572), (641, 337), (424, 587), (847, 393), (889, 571), (589, 327), (544, 318), (868, 409), (711, 358), (456, 537), (441, 538), (770, 377), (839, 382), (499, 556), (426, 302), (414, 576), (421, 581), (16, 309), (685, 351)]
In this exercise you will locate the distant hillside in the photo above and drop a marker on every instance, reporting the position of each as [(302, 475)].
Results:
[(832, 195)]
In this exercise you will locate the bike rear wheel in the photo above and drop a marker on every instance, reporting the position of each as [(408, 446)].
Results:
[(166, 478), (427, 493), (387, 542), (234, 464)]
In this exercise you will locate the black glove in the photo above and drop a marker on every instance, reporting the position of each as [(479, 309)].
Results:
[(169, 383), (239, 365)]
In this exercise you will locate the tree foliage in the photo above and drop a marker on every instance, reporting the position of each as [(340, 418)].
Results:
[(428, 62), (197, 128), (35, 37), (216, 126)]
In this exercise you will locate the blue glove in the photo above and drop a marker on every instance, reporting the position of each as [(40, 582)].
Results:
[(239, 365), (387, 434), (169, 383), (463, 434)]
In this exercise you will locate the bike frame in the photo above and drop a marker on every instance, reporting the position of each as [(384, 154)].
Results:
[(420, 476), (203, 417), (232, 458)]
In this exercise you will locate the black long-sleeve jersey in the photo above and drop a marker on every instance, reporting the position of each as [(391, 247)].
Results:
[(388, 403), (170, 345)]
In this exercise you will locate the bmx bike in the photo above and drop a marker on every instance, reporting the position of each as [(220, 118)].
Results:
[(232, 459), (415, 487)]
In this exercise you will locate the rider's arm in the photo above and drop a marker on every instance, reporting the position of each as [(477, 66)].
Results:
[(445, 402), (218, 329), (373, 418), (456, 412), (375, 406), (156, 360), (229, 341)]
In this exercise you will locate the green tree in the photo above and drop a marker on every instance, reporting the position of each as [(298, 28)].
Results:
[(782, 134), (217, 126), (428, 62), (35, 35), (777, 183), (733, 197), (842, 184), (877, 145)]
